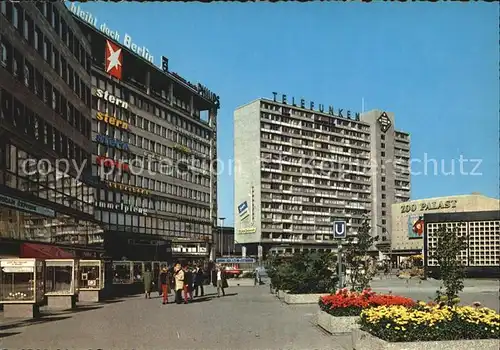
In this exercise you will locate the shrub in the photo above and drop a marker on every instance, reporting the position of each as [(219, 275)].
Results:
[(397, 323), (303, 273), (347, 303)]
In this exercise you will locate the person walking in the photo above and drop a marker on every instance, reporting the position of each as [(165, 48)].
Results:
[(198, 282), (179, 283), (219, 280), (188, 284), (163, 280), (147, 279)]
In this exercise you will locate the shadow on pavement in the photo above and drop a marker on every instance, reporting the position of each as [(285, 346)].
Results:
[(200, 299), (8, 334), (230, 294), (25, 323), (111, 301)]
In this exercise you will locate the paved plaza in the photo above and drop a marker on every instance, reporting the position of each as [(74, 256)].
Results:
[(247, 318)]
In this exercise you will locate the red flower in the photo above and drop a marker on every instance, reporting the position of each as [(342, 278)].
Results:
[(367, 298)]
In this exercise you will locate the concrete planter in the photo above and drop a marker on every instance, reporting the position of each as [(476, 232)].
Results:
[(362, 340), (240, 282), (337, 324), (281, 294), (303, 298)]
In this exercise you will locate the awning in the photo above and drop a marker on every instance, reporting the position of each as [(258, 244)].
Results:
[(43, 251)]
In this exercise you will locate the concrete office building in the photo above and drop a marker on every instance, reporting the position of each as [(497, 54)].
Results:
[(408, 239), (298, 168), (481, 229), (154, 139), (44, 117)]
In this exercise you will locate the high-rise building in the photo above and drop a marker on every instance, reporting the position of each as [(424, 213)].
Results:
[(297, 169), (45, 127), (154, 142)]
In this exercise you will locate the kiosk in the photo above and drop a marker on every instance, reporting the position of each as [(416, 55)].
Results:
[(91, 280), (61, 283), (22, 287)]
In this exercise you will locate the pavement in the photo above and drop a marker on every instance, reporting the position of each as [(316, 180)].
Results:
[(246, 318)]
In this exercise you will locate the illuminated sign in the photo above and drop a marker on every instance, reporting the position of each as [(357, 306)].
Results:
[(113, 59), (209, 95), (26, 206), (247, 230), (108, 162), (111, 142), (89, 18), (112, 121), (321, 107), (243, 210), (425, 206), (111, 98), (128, 188), (122, 207), (384, 121)]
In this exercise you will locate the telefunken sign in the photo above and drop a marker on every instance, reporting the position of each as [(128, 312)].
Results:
[(311, 106), (88, 18)]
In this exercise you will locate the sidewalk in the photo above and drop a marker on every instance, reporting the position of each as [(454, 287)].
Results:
[(248, 318)]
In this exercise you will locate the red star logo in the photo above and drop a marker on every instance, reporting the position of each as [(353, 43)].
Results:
[(113, 59)]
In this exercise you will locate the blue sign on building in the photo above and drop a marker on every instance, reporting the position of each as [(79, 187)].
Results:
[(235, 260), (339, 229)]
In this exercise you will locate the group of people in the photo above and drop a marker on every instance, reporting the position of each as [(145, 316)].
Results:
[(183, 281)]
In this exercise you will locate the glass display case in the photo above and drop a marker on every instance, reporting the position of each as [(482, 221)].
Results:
[(123, 272), (61, 276), (22, 281), (137, 270), (91, 275)]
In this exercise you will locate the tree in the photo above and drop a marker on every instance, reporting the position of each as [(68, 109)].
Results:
[(355, 252), (452, 269)]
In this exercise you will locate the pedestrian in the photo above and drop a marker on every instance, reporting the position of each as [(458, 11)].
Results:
[(179, 283), (164, 281), (219, 280), (188, 284), (148, 283), (198, 281)]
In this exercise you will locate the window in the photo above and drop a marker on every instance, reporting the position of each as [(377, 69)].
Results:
[(383, 154), (383, 212), (3, 54), (383, 195), (15, 16), (382, 145), (382, 137), (383, 187), (383, 178)]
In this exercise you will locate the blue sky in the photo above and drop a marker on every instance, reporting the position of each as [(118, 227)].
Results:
[(436, 66)]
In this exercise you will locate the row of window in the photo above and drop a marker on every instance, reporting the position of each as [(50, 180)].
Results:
[(153, 225), (310, 115), (150, 107), (159, 204), (177, 152), (37, 130), (47, 50), (158, 186)]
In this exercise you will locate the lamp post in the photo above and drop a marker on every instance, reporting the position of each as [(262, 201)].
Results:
[(221, 236)]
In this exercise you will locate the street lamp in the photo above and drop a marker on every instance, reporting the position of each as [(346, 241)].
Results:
[(221, 236)]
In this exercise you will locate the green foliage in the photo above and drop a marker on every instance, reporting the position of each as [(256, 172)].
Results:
[(355, 257), (303, 273), (452, 269)]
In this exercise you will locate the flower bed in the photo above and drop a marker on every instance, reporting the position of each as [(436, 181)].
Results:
[(346, 303), (397, 323)]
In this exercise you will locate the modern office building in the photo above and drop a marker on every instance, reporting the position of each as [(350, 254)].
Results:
[(407, 234), (154, 142), (225, 244), (297, 169), (45, 128), (480, 230)]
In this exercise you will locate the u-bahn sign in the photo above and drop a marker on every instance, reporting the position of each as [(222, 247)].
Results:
[(339, 229)]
